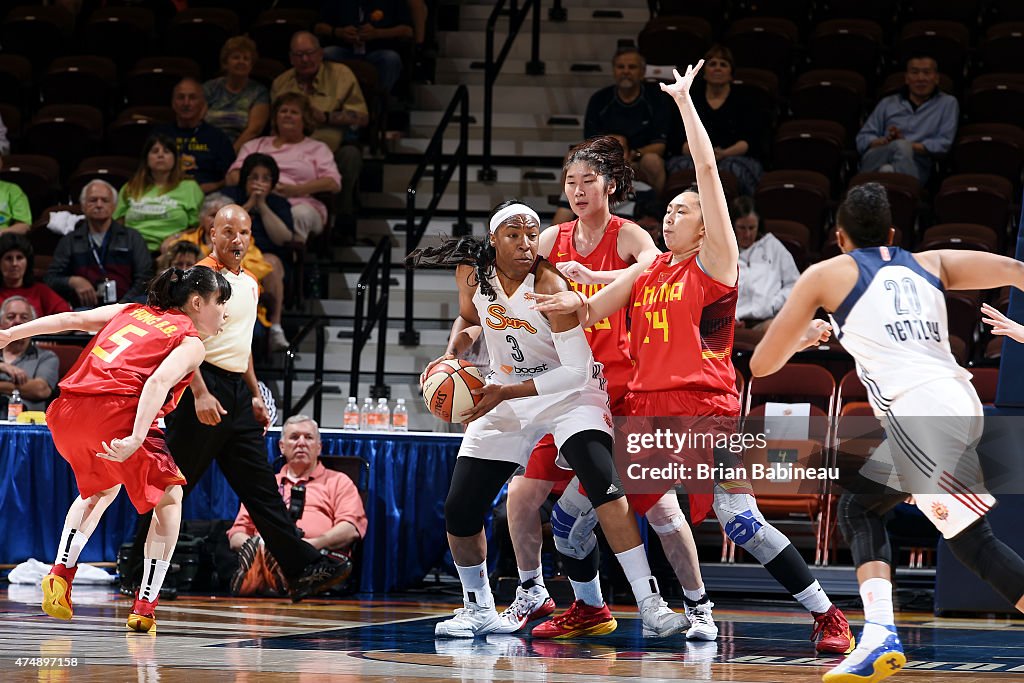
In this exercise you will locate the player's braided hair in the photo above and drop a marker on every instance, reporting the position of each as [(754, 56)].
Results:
[(605, 156)]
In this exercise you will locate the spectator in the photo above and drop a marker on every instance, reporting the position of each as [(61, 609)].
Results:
[(331, 518), (204, 151), (100, 250), (181, 255), (5, 144), (15, 212), (236, 104), (731, 121), (159, 200), (637, 114), (371, 31), (267, 269), (906, 129), (34, 372), (16, 266), (306, 165), (767, 272), (338, 110)]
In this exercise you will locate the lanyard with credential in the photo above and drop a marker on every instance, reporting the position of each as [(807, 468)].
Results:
[(103, 250)]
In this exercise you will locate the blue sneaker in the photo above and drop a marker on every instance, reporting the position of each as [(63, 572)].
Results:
[(865, 665)]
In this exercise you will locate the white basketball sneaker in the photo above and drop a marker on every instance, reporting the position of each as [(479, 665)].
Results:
[(660, 621), (469, 621), (530, 604), (702, 624)]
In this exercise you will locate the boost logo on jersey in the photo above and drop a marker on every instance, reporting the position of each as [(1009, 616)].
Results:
[(514, 370), (498, 320)]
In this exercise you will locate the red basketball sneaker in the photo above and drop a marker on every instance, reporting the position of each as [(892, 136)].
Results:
[(141, 618), (832, 633), (579, 620), (57, 592)]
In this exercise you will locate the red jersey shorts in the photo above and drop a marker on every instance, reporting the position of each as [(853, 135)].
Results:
[(699, 404), (80, 425)]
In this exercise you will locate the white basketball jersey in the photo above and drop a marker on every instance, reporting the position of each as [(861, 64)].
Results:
[(518, 338), (893, 323)]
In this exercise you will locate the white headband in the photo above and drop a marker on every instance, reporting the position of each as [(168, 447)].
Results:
[(513, 210)]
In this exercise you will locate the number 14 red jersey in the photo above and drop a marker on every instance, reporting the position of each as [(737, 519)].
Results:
[(681, 329), (129, 349)]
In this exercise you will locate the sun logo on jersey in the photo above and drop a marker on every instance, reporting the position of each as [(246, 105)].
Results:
[(940, 511), (498, 320)]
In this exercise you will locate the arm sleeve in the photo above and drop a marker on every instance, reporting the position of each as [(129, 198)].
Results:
[(142, 265), (873, 128), (577, 363), (939, 140), (59, 273), (49, 368)]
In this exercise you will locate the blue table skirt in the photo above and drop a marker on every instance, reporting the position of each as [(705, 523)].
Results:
[(409, 476)]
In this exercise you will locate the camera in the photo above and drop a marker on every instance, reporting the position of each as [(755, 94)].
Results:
[(106, 292)]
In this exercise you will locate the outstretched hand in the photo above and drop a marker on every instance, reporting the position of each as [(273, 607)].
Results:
[(681, 88), (560, 302), (119, 450), (1001, 324)]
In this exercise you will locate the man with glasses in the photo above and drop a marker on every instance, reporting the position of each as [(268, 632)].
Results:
[(907, 128), (339, 110)]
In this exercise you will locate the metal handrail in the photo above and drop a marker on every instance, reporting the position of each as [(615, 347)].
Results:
[(492, 67), (316, 389), (375, 281), (435, 153)]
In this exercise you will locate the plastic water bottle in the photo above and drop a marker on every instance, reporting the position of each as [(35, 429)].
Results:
[(14, 406), (350, 419), (383, 415), (400, 418), (366, 416)]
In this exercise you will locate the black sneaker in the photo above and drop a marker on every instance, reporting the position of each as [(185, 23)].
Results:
[(319, 576)]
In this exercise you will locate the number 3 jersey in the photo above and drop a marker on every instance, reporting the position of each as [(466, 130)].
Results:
[(681, 329), (518, 338), (129, 348), (893, 323)]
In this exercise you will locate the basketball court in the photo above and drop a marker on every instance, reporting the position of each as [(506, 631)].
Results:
[(200, 639)]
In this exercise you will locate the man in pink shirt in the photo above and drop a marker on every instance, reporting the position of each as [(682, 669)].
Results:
[(332, 516)]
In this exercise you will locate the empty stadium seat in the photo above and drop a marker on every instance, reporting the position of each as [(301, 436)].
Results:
[(66, 132), (765, 42), (1003, 47), (122, 33), (800, 196), (80, 79), (15, 79), (151, 81), (37, 175), (116, 170), (675, 41), (126, 135), (37, 32), (200, 33), (960, 236), (996, 148), (811, 145), (831, 95), (995, 98), (854, 44), (975, 198)]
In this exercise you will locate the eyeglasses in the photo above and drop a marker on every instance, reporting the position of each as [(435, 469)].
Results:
[(303, 54)]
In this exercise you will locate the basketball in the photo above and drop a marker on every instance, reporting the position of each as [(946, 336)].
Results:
[(446, 390)]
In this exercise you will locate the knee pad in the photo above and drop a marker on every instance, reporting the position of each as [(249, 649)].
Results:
[(589, 453), (666, 516), (573, 520), (746, 527), (459, 519), (977, 548)]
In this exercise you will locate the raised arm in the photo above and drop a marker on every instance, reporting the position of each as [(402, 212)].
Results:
[(719, 254), (635, 245), (87, 321)]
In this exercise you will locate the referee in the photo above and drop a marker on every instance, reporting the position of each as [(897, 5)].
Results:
[(222, 416)]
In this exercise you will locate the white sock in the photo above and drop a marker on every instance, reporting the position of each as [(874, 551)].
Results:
[(153, 574), (877, 597), (277, 327), (814, 599), (693, 595), (638, 572), (475, 587), (531, 574), (588, 591), (71, 543)]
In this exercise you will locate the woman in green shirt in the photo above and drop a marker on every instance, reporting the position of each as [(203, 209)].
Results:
[(159, 201)]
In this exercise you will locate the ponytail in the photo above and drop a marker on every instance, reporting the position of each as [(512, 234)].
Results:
[(456, 252), (173, 287)]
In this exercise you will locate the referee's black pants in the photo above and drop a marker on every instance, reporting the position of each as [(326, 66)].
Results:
[(237, 444)]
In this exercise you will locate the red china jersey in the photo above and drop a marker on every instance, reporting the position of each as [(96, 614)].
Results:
[(681, 329), (127, 351), (609, 338)]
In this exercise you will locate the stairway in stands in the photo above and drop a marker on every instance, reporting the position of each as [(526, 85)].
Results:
[(536, 119)]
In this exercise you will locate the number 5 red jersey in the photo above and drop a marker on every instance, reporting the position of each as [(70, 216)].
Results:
[(129, 349)]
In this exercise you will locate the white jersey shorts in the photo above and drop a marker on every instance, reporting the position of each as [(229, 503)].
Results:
[(513, 428)]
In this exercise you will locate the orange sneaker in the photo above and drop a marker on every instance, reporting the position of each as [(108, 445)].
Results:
[(141, 618), (832, 633), (57, 592), (579, 620)]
